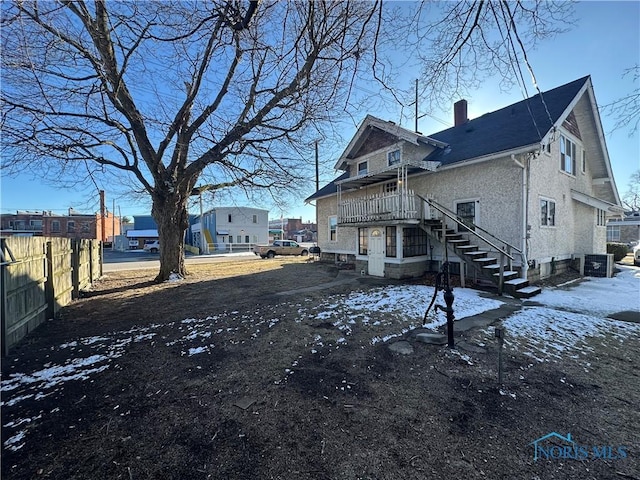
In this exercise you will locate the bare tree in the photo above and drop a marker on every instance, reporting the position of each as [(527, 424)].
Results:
[(626, 109), (457, 45), (172, 93), (631, 198)]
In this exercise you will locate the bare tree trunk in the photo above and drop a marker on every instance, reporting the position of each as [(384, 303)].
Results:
[(170, 214)]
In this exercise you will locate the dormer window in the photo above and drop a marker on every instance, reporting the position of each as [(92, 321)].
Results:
[(393, 157), (362, 168)]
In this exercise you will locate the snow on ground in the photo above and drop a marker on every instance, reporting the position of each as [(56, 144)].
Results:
[(567, 318), (395, 309), (597, 296), (572, 316)]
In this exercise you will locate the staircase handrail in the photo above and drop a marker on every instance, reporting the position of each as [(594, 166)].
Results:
[(455, 218)]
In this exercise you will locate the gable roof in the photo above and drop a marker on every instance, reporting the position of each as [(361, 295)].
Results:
[(522, 124), (517, 127), (371, 122)]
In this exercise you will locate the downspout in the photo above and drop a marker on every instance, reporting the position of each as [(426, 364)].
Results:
[(525, 213)]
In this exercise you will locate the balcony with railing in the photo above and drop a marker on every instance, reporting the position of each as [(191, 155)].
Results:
[(396, 206)]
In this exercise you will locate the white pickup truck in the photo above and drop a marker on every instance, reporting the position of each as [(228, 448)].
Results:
[(280, 247)]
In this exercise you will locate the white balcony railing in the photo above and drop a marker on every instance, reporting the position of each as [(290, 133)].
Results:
[(402, 205)]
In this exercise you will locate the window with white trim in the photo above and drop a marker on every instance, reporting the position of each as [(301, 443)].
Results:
[(584, 161), (363, 241), (362, 168), (601, 220), (567, 155), (391, 241), (613, 233), (391, 187), (547, 213), (333, 228), (393, 157)]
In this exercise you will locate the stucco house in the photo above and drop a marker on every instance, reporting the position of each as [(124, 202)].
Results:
[(512, 196)]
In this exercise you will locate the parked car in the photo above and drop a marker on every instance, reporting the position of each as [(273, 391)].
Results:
[(280, 247), (152, 246), (636, 256)]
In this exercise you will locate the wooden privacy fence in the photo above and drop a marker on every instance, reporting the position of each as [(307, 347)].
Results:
[(39, 276)]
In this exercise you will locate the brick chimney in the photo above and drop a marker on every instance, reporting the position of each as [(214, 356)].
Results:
[(460, 113)]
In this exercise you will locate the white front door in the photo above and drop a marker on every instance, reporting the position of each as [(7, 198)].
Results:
[(376, 252)]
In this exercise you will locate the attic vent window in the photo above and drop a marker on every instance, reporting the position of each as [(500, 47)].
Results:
[(393, 157)]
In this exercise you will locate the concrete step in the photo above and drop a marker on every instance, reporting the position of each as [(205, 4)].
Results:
[(527, 292), (511, 286), (467, 248)]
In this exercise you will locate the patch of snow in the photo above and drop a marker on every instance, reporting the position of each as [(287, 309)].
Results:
[(174, 277)]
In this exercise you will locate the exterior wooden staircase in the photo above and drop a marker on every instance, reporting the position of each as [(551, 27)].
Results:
[(481, 252)]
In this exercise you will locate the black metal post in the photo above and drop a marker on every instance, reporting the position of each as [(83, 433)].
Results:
[(448, 300)]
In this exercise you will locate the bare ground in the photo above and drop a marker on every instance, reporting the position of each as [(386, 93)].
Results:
[(266, 402)]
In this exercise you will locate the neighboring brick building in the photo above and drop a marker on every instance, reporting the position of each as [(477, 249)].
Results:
[(23, 223), (80, 225), (294, 229)]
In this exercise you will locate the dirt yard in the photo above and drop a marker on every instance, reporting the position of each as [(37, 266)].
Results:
[(235, 374)]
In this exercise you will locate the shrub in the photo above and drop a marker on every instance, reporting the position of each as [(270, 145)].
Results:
[(619, 250)]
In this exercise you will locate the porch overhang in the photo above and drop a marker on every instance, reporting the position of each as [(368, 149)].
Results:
[(386, 175), (595, 202)]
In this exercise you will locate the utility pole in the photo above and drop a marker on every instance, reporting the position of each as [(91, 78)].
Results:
[(102, 226), (317, 188), (317, 169), (113, 225), (416, 105), (102, 213)]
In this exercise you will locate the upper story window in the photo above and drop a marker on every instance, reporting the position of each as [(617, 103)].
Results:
[(584, 161), (601, 220), (567, 155), (393, 157), (55, 226), (255, 219), (229, 218), (71, 227), (362, 168)]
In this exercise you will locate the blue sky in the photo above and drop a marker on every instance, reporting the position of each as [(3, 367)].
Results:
[(604, 41)]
